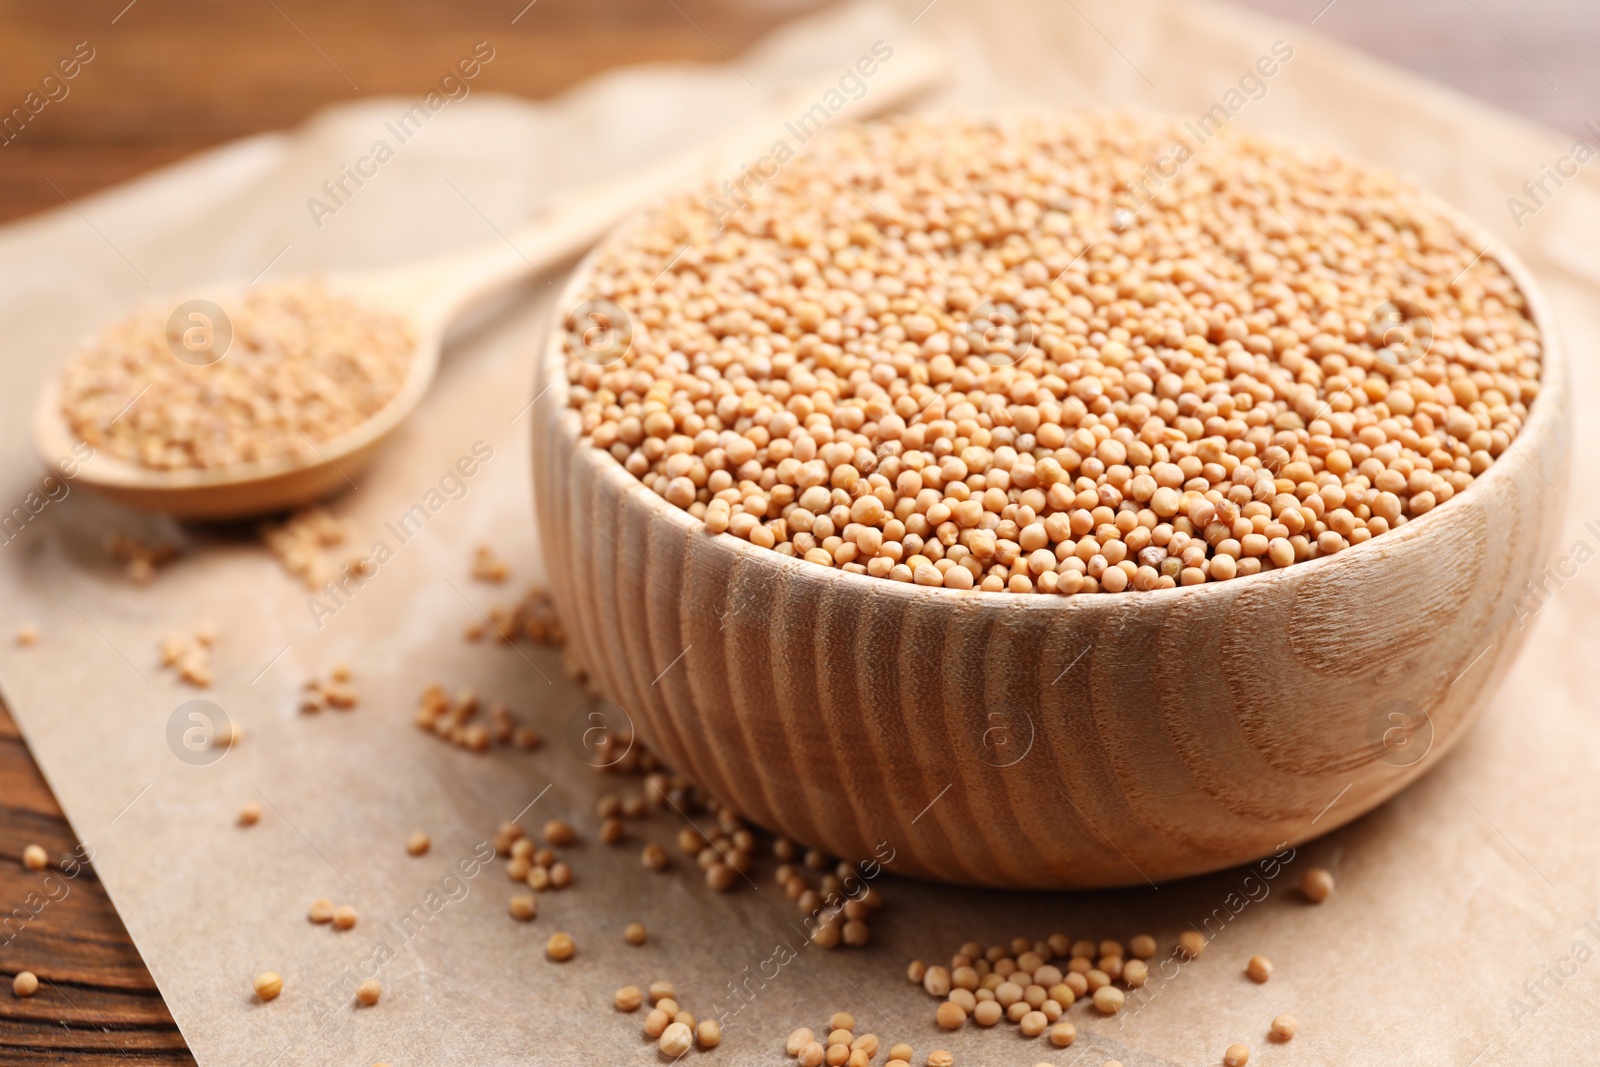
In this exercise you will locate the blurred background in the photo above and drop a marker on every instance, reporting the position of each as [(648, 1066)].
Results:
[(171, 77)]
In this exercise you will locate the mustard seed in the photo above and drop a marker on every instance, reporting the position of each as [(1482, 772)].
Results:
[(27, 635), (560, 947), (1317, 885), (560, 876), (417, 843), (916, 971), (559, 833), (936, 980), (635, 934), (1142, 947), (654, 857), (268, 985), (675, 1040), (1259, 969), (867, 1043), (612, 831), (841, 364), (670, 1006), (950, 1015), (798, 1040), (249, 813), (1034, 1023), (321, 911), (941, 1058), (628, 998), (1135, 973), (1063, 1034), (987, 1012), (25, 984), (34, 858), (1108, 1000), (708, 1033), (811, 1054), (901, 1051), (1191, 943), (537, 878), (656, 1022), (840, 1035), (661, 990), (1283, 1028), (855, 933), (344, 917), (721, 877), (1237, 1055), (368, 992), (524, 907)]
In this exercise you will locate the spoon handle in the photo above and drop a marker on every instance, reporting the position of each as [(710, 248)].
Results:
[(435, 291)]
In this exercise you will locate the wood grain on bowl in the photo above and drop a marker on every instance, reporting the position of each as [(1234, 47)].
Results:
[(1046, 741)]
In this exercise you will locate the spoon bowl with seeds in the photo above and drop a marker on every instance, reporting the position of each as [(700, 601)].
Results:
[(235, 400)]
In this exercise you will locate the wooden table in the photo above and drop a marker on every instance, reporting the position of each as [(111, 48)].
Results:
[(170, 77)]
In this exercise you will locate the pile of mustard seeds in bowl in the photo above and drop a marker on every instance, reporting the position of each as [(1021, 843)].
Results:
[(1052, 354), (303, 365)]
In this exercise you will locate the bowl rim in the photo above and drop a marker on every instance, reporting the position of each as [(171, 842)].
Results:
[(550, 375)]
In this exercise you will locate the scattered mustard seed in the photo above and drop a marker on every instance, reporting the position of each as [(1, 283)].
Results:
[(811, 1054), (1317, 885), (35, 858), (1283, 1028), (1108, 1000), (368, 992), (1142, 947), (321, 911), (709, 1034), (628, 998), (418, 843), (1237, 1055), (27, 635), (950, 1016), (25, 984), (661, 990), (798, 1040), (559, 833), (655, 1022), (268, 985), (1191, 943), (524, 907), (1259, 969), (560, 947), (612, 831), (941, 1058), (1063, 1034), (250, 813), (635, 934), (901, 1051), (654, 857), (344, 916)]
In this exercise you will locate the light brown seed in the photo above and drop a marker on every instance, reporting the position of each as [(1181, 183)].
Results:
[(559, 833), (654, 857), (1108, 1000), (524, 907), (560, 947), (635, 934), (368, 992), (417, 843), (628, 998), (675, 1040), (900, 1051), (708, 1033), (321, 910), (842, 1020), (1191, 943), (34, 858), (950, 1016), (661, 990), (811, 1054), (798, 1040), (1317, 884), (268, 985), (1283, 1028), (1259, 969), (1063, 1034), (941, 1058), (25, 984), (1142, 947), (249, 813), (656, 1022), (1237, 1055), (344, 917), (1033, 1024), (612, 831)]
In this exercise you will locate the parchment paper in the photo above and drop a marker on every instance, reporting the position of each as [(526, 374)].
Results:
[(1458, 902)]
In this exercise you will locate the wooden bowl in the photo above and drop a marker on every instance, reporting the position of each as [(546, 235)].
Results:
[(1047, 741)]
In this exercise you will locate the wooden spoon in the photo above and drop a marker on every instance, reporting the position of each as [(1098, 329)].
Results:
[(433, 293)]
